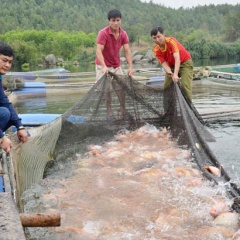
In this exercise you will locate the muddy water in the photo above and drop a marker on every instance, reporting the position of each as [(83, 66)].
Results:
[(140, 185)]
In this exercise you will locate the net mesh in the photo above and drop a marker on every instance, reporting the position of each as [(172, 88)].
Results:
[(133, 105)]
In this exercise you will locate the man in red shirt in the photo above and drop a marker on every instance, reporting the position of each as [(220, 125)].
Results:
[(175, 60), (109, 42)]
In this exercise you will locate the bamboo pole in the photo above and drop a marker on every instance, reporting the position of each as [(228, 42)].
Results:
[(40, 220), (1, 168)]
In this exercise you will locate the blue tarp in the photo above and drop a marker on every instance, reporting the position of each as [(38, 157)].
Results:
[(157, 80), (1, 184)]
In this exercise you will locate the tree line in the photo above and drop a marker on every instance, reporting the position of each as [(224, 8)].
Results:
[(31, 46), (68, 28)]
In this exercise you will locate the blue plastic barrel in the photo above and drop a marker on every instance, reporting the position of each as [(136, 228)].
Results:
[(32, 88)]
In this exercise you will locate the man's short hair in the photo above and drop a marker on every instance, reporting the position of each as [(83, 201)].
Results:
[(156, 30), (6, 50), (114, 13)]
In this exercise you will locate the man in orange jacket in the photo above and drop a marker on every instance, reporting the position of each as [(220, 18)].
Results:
[(175, 59)]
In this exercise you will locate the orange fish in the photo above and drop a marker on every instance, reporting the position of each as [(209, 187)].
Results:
[(213, 170), (218, 208)]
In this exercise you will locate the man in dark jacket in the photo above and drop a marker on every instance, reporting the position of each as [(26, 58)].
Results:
[(8, 115)]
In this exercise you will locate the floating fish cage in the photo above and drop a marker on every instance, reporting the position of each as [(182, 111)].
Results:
[(56, 73), (35, 89)]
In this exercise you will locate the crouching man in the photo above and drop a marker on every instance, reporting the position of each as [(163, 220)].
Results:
[(8, 115)]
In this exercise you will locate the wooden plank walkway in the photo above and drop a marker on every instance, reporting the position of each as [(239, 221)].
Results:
[(225, 75), (220, 113)]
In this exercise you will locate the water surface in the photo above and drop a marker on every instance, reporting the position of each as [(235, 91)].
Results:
[(207, 95)]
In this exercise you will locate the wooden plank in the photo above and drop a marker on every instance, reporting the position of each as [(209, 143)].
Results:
[(225, 75), (222, 110), (1, 167), (220, 114), (40, 220)]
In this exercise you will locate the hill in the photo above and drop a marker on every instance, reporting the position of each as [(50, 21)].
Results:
[(138, 17)]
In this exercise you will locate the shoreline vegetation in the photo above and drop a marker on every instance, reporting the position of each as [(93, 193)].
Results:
[(32, 47), (68, 29)]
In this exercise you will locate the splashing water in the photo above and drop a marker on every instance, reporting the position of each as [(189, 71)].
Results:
[(140, 185)]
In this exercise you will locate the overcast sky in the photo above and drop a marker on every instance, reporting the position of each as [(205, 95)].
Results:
[(192, 3)]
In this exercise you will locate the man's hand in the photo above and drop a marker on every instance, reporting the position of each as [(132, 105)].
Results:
[(175, 78), (22, 135), (170, 74), (130, 72), (105, 69), (6, 144)]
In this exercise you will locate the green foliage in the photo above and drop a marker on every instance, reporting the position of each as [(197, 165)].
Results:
[(25, 66), (31, 45), (26, 52), (90, 16), (212, 49), (233, 25), (68, 29)]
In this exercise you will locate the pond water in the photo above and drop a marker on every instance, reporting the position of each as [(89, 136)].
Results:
[(86, 67), (206, 95), (197, 63), (51, 104), (128, 200), (211, 95), (137, 186)]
